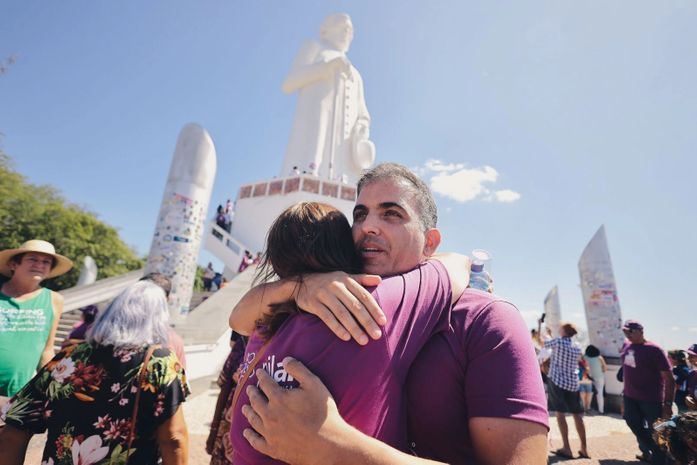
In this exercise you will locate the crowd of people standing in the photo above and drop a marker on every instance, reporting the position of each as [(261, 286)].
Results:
[(294, 390), (652, 382)]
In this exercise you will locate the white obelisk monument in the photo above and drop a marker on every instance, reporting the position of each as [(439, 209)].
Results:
[(180, 224), (603, 314), (553, 312), (89, 271)]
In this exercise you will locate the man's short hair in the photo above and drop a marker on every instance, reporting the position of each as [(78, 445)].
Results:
[(161, 280), (425, 204)]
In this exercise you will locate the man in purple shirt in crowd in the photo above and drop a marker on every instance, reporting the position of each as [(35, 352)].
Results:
[(475, 391), (649, 389), (691, 401)]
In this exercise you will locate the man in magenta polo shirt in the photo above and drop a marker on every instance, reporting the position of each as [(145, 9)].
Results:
[(692, 377), (477, 386), (649, 389)]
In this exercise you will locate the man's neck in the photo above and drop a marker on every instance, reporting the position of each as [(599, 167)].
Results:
[(15, 288)]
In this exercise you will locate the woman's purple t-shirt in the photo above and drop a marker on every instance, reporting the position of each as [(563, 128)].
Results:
[(483, 366), (366, 381)]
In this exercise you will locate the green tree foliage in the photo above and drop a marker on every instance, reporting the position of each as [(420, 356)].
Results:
[(198, 279), (40, 212)]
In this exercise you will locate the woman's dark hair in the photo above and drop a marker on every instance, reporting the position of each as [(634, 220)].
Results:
[(677, 355), (308, 237), (592, 351)]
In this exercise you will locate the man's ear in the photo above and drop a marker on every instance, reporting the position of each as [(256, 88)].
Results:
[(433, 238)]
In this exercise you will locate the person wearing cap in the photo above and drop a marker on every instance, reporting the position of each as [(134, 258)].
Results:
[(649, 389), (89, 313), (691, 399), (29, 313)]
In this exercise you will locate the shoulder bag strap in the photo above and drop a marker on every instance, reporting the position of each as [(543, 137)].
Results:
[(134, 416), (243, 380)]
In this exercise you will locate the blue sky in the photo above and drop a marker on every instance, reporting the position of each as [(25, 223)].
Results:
[(541, 121)]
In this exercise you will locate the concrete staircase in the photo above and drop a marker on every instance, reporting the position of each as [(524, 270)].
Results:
[(97, 293), (65, 325)]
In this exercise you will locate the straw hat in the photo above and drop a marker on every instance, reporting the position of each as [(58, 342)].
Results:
[(63, 264)]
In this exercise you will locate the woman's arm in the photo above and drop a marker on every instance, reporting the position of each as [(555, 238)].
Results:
[(173, 440), (48, 352), (257, 301), (602, 363), (337, 298), (458, 267)]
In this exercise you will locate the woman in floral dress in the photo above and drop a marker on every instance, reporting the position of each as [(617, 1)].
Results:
[(218, 443), (85, 396)]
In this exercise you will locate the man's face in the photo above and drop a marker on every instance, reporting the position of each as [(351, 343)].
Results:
[(633, 335), (340, 35), (35, 266), (386, 229)]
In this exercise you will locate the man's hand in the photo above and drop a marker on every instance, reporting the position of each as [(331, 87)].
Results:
[(302, 426), (343, 304), (298, 426)]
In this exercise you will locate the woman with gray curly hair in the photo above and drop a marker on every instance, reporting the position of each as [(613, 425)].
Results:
[(115, 398)]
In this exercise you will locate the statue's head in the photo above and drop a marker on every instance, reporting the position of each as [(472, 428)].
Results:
[(337, 31)]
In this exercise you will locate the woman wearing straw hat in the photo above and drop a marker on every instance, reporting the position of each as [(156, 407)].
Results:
[(29, 313)]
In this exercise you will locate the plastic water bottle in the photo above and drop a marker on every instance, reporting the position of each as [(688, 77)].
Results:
[(479, 277)]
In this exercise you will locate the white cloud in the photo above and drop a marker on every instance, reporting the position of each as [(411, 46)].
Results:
[(506, 195), (462, 184), (675, 328), (692, 329), (437, 165)]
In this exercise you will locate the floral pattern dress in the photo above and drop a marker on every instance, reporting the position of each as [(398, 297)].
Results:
[(85, 396), (227, 381)]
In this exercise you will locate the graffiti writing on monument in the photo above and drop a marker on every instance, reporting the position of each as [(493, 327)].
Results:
[(177, 235), (603, 314)]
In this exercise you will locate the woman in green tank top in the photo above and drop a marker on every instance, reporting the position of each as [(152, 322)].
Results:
[(29, 313)]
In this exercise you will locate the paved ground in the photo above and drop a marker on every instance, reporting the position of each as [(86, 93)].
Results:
[(610, 441)]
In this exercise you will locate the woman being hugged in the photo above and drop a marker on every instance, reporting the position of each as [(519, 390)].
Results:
[(367, 382), (113, 399)]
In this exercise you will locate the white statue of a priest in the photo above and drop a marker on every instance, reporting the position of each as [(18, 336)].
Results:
[(331, 128)]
